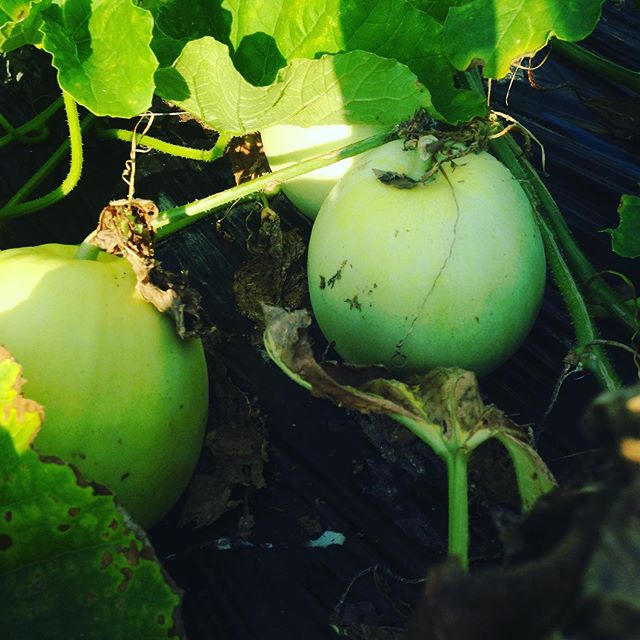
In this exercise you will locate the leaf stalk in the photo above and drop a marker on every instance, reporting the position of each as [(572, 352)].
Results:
[(172, 220)]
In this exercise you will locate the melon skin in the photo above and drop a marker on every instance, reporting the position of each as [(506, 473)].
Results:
[(125, 399), (285, 145), (446, 274)]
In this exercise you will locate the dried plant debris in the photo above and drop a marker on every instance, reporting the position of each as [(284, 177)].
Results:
[(576, 573), (276, 272), (125, 228), (445, 399), (236, 452)]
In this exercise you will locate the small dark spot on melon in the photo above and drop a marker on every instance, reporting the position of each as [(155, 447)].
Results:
[(6, 542)]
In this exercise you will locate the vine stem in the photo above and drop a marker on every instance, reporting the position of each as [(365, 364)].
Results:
[(554, 230), (458, 528), (598, 65), (599, 291), (585, 331), (506, 148), (35, 124), (455, 456), (52, 162), (202, 155), (172, 220), (595, 358), (13, 209)]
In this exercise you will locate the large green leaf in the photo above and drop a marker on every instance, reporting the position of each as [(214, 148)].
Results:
[(102, 51), (72, 563), (498, 32), (20, 22), (177, 22), (264, 36), (351, 87), (394, 29)]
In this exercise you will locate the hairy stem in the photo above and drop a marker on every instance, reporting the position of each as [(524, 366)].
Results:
[(595, 359), (172, 220), (598, 64), (598, 291), (14, 209), (38, 123), (45, 170), (203, 155)]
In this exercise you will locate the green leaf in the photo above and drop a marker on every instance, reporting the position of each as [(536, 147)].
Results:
[(532, 474), (499, 32), (625, 238), (268, 34), (20, 22), (264, 36), (177, 22), (72, 565), (20, 417), (102, 51), (353, 87), (437, 8)]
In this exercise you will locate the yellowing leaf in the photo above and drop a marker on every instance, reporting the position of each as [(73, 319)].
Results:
[(22, 418)]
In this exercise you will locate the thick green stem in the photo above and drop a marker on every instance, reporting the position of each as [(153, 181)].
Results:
[(13, 209), (595, 360), (554, 230), (591, 355), (37, 124), (172, 220), (598, 291), (203, 155), (457, 477), (598, 65)]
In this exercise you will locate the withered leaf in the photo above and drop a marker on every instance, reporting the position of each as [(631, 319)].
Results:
[(125, 228)]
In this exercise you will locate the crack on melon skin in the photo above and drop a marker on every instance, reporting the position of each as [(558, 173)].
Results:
[(435, 304), (398, 359)]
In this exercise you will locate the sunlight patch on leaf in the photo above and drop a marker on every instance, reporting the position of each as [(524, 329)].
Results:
[(353, 87)]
